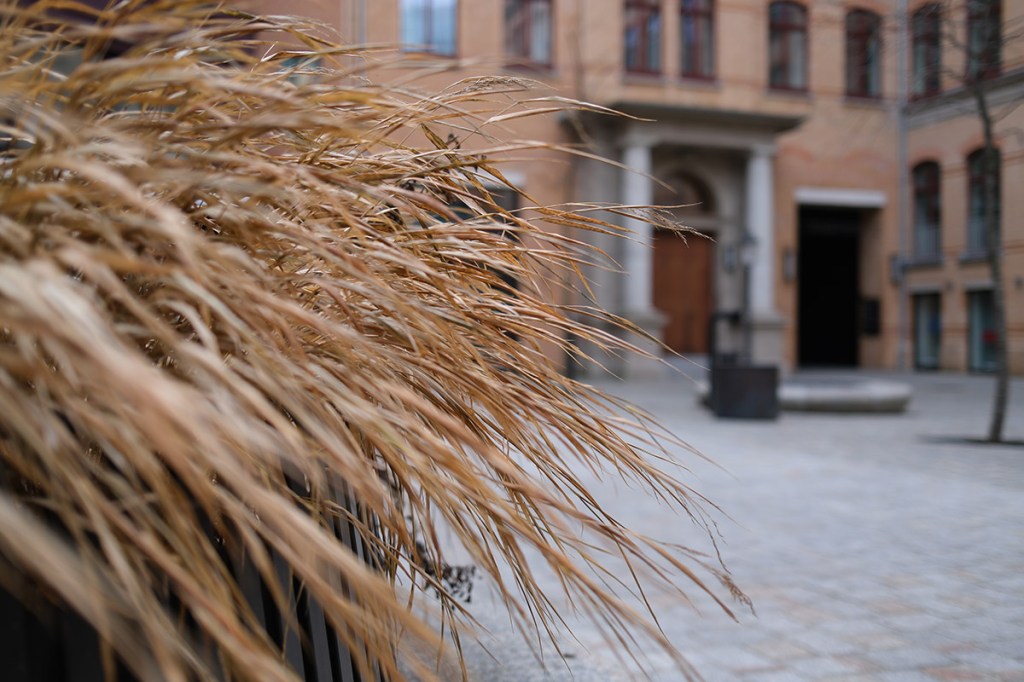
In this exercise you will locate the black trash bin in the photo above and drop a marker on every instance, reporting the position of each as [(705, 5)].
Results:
[(744, 391), (738, 389)]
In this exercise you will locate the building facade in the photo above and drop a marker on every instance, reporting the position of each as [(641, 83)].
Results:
[(828, 168), (948, 282)]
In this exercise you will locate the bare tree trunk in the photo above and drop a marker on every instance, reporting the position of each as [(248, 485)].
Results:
[(993, 242)]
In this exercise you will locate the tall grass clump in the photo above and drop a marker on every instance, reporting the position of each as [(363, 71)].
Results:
[(237, 310)]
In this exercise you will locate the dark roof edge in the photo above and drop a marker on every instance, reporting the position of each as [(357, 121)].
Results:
[(730, 118)]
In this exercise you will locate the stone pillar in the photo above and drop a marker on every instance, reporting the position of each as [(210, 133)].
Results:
[(760, 223), (636, 260), (637, 190), (766, 323), (595, 179)]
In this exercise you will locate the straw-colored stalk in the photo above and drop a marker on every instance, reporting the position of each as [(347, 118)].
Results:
[(227, 298)]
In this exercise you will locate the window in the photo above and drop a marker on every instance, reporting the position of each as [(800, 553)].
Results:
[(643, 36), (429, 25), (984, 38), (787, 46), (497, 201), (926, 51), (301, 70), (977, 201), (981, 333), (509, 200), (863, 54), (697, 37), (927, 330), (528, 31), (927, 212)]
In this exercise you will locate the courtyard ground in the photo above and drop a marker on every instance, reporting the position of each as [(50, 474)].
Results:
[(873, 549)]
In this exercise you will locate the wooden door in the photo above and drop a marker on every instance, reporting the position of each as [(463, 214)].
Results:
[(683, 271)]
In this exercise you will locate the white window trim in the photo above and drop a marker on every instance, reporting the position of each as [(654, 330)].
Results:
[(831, 196)]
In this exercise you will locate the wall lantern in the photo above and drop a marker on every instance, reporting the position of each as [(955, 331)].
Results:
[(748, 250), (789, 265), (896, 267)]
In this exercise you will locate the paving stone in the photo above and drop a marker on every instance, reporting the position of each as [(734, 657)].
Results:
[(989, 662), (874, 642), (1013, 648), (782, 650), (825, 643), (777, 676), (909, 658), (825, 665), (903, 676), (954, 674), (1012, 676), (982, 627), (948, 609), (913, 622), (734, 658)]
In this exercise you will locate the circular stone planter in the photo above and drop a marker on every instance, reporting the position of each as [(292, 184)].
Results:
[(868, 395), (853, 396)]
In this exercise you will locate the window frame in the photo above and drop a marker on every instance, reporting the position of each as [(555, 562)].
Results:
[(981, 339), (645, 9), (977, 235), (429, 46), (779, 31), (519, 44), (700, 13), (926, 36), (926, 181), (927, 332), (984, 13), (863, 54)]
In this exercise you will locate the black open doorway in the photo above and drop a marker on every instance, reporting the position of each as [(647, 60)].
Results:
[(829, 266)]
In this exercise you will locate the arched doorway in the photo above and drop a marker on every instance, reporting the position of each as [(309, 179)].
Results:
[(683, 265)]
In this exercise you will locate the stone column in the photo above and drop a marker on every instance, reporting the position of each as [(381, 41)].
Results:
[(637, 190), (766, 323), (636, 260), (595, 179), (760, 224)]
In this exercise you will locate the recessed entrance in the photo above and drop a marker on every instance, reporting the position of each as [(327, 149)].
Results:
[(829, 267), (682, 289)]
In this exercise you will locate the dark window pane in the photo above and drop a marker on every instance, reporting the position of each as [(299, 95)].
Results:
[(927, 211), (787, 46), (863, 54), (977, 195), (528, 30), (642, 36), (926, 53), (981, 332), (984, 38), (697, 38), (927, 330)]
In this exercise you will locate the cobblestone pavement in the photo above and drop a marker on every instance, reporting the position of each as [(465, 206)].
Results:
[(871, 550)]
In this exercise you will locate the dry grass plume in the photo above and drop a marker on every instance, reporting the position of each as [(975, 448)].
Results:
[(232, 298)]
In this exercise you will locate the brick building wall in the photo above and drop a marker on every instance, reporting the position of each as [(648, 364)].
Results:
[(834, 164)]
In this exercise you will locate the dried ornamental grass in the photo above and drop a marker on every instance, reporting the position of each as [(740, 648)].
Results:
[(227, 299)]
